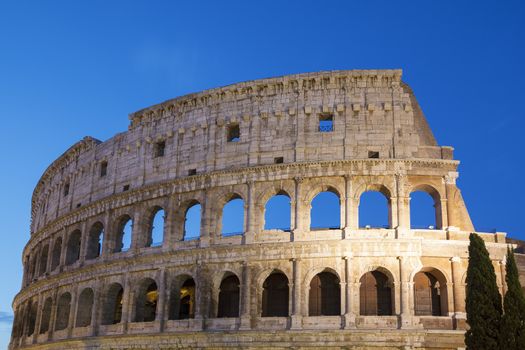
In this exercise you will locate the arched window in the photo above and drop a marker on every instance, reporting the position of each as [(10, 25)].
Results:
[(84, 308), (375, 294), (33, 308), (46, 316), (182, 300), (430, 295), (95, 239), (233, 217), (156, 233), (57, 251), (63, 309), (112, 310), (325, 295), (229, 297), (373, 210), (277, 213), (146, 302), (275, 296), (325, 211), (73, 247), (123, 237), (192, 222), (43, 260), (425, 209)]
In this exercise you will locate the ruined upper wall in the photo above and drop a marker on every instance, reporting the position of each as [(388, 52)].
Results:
[(373, 112)]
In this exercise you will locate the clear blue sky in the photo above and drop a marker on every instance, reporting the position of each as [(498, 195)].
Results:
[(75, 68)]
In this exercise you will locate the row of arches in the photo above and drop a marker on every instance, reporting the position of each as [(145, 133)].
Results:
[(325, 213), (376, 297)]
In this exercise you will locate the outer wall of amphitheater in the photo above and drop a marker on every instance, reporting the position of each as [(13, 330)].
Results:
[(345, 287)]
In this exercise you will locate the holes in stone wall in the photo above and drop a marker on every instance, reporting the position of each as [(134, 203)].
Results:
[(159, 149), (103, 168), (233, 133)]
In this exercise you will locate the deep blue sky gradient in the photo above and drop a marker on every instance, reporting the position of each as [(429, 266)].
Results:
[(75, 68)]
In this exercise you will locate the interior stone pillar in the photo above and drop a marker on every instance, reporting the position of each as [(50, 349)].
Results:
[(296, 300), (407, 319), (299, 225), (245, 297), (459, 293), (349, 311), (249, 231), (161, 306)]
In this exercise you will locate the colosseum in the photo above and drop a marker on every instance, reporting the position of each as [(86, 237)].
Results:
[(95, 277)]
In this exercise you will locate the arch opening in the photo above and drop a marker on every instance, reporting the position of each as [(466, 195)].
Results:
[(425, 209), (84, 308), (192, 222), (430, 294), (156, 228), (73, 247), (325, 212), (43, 260), (95, 239), (277, 213), (123, 237), (229, 292), (275, 295), (57, 252), (375, 293), (182, 299), (63, 310), (233, 217), (33, 309), (374, 210), (112, 310), (46, 316), (324, 295), (146, 302)]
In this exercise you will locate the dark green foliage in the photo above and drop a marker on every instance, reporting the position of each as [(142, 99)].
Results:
[(483, 301), (513, 321)]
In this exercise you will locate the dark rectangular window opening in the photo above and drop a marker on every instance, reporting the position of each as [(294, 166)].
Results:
[(234, 133), (66, 189), (192, 172), (160, 147), (373, 154), (125, 188), (278, 160), (326, 122), (103, 169)]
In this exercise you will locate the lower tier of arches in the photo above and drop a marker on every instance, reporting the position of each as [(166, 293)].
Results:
[(356, 339)]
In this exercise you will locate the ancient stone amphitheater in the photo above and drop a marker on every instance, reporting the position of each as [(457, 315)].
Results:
[(344, 287)]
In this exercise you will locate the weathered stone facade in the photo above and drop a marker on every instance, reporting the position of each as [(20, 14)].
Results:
[(177, 153)]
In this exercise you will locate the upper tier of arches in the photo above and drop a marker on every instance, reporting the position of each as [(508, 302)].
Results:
[(222, 129)]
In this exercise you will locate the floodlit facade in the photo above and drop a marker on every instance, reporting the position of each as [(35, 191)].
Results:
[(113, 264)]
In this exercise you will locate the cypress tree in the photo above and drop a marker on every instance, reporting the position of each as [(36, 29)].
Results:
[(483, 301), (513, 321)]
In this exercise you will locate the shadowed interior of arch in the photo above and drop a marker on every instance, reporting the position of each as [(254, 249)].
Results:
[(373, 210), (192, 222), (325, 212), (422, 211), (233, 217), (277, 214)]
